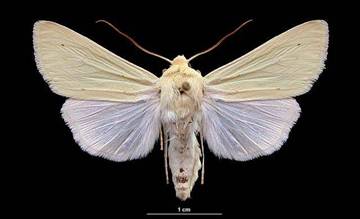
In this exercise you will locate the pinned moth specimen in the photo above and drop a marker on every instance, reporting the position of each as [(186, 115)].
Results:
[(118, 110)]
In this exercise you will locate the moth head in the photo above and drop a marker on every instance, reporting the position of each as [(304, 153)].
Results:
[(180, 60)]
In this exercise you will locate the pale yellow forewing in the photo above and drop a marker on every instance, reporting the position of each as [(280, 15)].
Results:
[(76, 67), (285, 66)]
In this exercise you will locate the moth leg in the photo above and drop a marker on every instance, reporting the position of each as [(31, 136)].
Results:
[(203, 158), (166, 157), (161, 139)]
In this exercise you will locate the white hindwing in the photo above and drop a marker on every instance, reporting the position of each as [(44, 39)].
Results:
[(113, 130), (245, 130)]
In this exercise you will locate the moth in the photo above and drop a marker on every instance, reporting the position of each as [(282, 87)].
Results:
[(118, 110)]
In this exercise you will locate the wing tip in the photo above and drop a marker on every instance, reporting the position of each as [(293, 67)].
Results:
[(40, 23), (324, 27), (323, 54), (36, 48), (37, 28)]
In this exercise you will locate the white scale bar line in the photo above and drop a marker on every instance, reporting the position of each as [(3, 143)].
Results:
[(207, 214)]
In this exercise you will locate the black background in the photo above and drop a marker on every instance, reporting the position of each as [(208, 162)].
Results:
[(50, 174)]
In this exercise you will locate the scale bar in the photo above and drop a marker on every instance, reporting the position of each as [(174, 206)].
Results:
[(182, 214)]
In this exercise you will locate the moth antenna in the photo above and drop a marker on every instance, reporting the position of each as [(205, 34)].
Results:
[(133, 41), (220, 41)]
